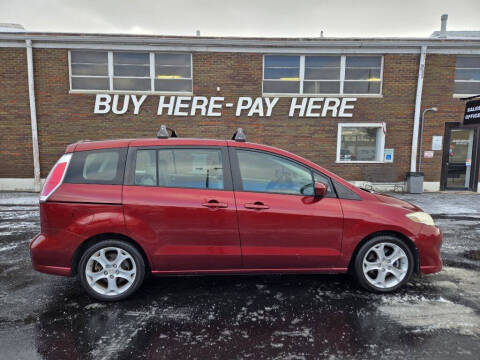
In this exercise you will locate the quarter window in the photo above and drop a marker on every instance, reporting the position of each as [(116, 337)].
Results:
[(360, 143), (467, 75), (262, 172), (130, 71), (322, 74)]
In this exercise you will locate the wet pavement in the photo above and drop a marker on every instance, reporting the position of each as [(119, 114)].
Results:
[(253, 317)]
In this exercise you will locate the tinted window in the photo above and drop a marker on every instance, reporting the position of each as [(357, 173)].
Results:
[(145, 168), (184, 168), (97, 167), (262, 172)]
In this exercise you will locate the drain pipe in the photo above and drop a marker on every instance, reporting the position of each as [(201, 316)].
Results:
[(33, 117), (418, 104)]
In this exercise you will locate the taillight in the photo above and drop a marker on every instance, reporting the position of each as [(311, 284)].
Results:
[(55, 178)]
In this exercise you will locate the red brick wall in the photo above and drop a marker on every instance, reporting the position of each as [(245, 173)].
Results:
[(438, 91), (66, 118), (16, 159)]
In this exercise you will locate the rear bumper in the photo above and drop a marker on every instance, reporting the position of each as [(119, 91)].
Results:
[(429, 242), (48, 257)]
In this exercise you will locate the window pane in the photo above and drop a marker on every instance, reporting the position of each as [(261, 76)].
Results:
[(90, 83), (321, 87), (467, 74), (101, 166), (322, 61), (282, 73), (467, 88), (173, 72), (282, 61), (173, 85), (131, 84), (364, 61), (132, 70), (359, 144), (468, 62), (90, 69), (361, 87), (190, 168), (274, 87), (131, 58), (362, 74), (173, 59), (89, 57), (322, 74), (262, 172), (145, 168)]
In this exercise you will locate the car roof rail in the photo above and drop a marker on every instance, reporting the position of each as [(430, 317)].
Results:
[(163, 132), (239, 135)]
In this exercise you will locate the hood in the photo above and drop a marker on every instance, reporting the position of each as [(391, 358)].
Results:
[(390, 200)]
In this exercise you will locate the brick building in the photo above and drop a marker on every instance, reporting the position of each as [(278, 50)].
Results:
[(351, 105)]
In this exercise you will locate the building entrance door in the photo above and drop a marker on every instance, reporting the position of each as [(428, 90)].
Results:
[(460, 167)]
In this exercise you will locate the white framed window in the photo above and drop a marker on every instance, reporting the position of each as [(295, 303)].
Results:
[(467, 76), (322, 75), (130, 72), (360, 143)]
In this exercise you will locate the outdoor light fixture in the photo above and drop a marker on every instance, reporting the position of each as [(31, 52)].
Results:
[(421, 135)]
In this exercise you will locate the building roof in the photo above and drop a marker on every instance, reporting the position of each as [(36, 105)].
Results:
[(456, 34), (322, 45)]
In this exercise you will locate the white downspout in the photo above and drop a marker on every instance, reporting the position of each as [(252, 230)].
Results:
[(418, 104), (33, 118)]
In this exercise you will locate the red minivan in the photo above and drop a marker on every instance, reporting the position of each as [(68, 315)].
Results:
[(113, 211)]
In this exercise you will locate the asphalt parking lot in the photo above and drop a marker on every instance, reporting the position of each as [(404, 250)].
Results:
[(253, 317)]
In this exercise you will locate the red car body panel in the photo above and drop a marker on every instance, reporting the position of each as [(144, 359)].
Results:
[(178, 234), (179, 231)]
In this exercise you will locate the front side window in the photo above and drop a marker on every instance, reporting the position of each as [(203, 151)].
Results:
[(261, 172), (130, 71), (360, 143), (183, 168), (467, 75), (322, 74)]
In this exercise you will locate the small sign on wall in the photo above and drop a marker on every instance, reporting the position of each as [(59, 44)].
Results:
[(437, 142), (428, 154), (388, 155)]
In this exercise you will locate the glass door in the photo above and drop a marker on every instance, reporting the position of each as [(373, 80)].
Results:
[(459, 162)]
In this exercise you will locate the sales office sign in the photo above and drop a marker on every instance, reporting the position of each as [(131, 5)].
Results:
[(212, 106)]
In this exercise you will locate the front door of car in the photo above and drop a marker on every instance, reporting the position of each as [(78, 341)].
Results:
[(282, 225), (179, 203)]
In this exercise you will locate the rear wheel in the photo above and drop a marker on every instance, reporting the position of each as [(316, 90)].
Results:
[(383, 264), (111, 270)]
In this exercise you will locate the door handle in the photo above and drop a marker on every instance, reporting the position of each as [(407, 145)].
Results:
[(214, 204), (258, 205)]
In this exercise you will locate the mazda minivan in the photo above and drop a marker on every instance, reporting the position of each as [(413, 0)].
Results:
[(114, 211)]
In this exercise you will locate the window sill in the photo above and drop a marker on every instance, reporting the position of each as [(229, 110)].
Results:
[(325, 95), (456, 96), (117, 92), (360, 162)]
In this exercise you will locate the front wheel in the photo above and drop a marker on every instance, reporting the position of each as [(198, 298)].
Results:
[(383, 264), (111, 270)]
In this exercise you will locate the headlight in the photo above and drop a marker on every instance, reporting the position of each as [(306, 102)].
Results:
[(421, 217)]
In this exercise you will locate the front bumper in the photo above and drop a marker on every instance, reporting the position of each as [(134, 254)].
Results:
[(429, 242), (48, 257)]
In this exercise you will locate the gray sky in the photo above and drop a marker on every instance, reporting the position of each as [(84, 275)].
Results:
[(291, 18)]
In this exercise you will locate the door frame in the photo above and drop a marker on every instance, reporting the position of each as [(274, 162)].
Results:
[(449, 126)]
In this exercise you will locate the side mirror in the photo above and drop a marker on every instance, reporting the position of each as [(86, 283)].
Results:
[(320, 190)]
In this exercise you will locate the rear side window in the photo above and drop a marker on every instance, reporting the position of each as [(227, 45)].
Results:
[(104, 166), (183, 168)]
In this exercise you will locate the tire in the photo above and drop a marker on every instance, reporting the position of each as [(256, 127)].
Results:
[(107, 277), (383, 274)]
